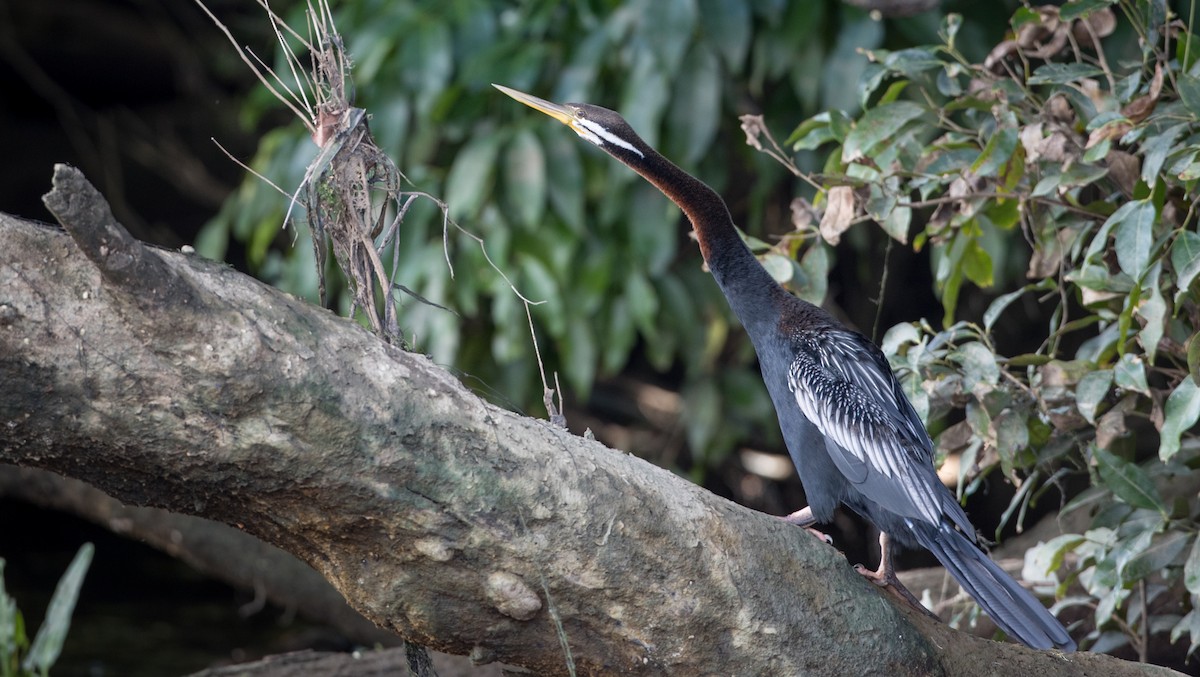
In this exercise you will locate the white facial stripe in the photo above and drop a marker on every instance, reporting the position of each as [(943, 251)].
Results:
[(587, 134), (598, 135)]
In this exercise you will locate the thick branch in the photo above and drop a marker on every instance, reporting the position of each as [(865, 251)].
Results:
[(458, 525), (214, 549), (148, 281)]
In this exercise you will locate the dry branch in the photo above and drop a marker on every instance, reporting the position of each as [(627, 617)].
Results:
[(458, 525)]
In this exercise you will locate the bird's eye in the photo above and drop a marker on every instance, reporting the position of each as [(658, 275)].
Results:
[(580, 115)]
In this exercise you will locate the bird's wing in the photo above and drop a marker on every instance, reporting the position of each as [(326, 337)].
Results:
[(845, 387)]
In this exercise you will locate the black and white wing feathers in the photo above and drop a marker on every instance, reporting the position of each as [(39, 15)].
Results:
[(844, 385)]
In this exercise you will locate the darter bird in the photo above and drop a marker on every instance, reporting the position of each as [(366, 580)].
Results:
[(853, 436)]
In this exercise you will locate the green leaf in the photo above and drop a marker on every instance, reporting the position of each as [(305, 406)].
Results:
[(1091, 391), (949, 28), (780, 268), (643, 300), (1193, 357), (1130, 374), (1180, 413), (978, 364), (1080, 174), (539, 285), (646, 94), (1187, 50), (899, 335), (1128, 481), (1153, 311), (1191, 569), (1188, 86), (47, 645), (10, 642), (1155, 150), (816, 263), (819, 129), (428, 57), (897, 222), (469, 182), (622, 334), (579, 354), (525, 178), (566, 190), (1063, 73), (1185, 260), (948, 273), (1047, 557), (877, 126), (667, 26), (727, 24), (1190, 623), (1029, 359), (652, 244), (1134, 223), (1012, 436), (1129, 548), (977, 264), (696, 106), (996, 153), (910, 63), (1162, 553), (893, 91)]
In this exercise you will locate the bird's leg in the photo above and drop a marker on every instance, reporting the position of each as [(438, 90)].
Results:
[(885, 576), (804, 518)]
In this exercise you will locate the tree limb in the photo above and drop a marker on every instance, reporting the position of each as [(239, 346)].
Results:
[(214, 549), (456, 524)]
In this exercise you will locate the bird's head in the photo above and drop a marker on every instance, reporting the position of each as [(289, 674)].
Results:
[(600, 126)]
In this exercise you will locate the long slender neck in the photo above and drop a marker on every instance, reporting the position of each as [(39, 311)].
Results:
[(746, 284)]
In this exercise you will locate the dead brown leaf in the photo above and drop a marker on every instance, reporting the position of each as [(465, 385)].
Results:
[(1059, 109), (753, 126), (1111, 424), (1111, 131), (803, 214), (1140, 108), (1102, 22), (1045, 261), (839, 213), (1125, 169), (1031, 139)]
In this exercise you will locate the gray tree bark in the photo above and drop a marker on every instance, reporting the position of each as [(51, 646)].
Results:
[(171, 381)]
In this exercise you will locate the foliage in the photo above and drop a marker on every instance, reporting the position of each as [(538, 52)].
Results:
[(602, 250), (1070, 155), (17, 656)]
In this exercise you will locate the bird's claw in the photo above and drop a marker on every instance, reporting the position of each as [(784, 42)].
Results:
[(820, 535), (874, 576), (888, 580), (803, 518)]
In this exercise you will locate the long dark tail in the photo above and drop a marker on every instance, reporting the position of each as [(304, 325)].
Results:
[(1013, 608)]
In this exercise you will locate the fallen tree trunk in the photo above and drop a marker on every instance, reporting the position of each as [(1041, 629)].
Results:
[(171, 381)]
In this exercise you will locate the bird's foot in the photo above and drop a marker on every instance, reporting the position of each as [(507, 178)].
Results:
[(885, 577), (803, 518), (821, 535)]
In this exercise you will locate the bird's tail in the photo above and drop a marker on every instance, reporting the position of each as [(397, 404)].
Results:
[(1013, 608)]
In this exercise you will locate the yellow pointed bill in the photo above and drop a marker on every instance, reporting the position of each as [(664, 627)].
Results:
[(554, 110)]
